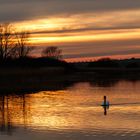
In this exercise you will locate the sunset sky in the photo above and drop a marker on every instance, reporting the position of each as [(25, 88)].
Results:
[(81, 28)]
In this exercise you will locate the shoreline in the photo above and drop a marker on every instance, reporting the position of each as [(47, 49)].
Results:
[(19, 80)]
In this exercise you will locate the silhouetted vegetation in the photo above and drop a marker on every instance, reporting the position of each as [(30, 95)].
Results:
[(21, 47), (13, 44), (33, 62), (114, 63), (133, 65), (34, 74), (15, 49), (105, 63), (52, 52)]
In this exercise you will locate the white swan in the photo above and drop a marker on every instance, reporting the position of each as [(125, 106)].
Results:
[(105, 103)]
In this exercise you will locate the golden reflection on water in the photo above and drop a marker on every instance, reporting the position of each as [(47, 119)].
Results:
[(76, 108)]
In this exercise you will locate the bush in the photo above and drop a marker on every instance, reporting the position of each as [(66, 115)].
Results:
[(104, 62)]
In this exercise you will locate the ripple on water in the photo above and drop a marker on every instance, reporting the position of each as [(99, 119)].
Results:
[(75, 113)]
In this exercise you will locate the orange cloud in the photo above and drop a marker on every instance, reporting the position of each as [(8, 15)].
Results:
[(85, 27)]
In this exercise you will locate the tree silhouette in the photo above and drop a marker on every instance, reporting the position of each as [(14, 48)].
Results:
[(21, 47), (6, 41), (13, 44), (52, 52)]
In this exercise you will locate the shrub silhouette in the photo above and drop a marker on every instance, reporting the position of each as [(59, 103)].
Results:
[(52, 52), (133, 65), (104, 62)]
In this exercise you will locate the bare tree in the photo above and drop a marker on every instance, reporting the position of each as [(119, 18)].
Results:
[(6, 41), (52, 52), (22, 48), (13, 44)]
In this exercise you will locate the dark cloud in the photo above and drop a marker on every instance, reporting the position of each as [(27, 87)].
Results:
[(12, 10), (67, 32), (97, 48), (125, 52)]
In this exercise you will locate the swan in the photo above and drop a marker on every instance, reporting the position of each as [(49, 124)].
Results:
[(105, 103)]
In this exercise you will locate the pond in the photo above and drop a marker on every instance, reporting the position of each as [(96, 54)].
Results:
[(73, 113)]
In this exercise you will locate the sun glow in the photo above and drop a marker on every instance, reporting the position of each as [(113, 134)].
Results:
[(50, 24), (83, 27), (117, 26), (88, 37)]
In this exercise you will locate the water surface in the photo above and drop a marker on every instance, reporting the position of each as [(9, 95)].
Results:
[(73, 113)]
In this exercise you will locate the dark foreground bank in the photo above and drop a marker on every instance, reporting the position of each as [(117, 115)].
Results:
[(31, 75), (32, 80)]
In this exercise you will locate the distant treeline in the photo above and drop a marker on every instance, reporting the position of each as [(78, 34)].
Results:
[(114, 63), (37, 74), (53, 62), (30, 62)]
